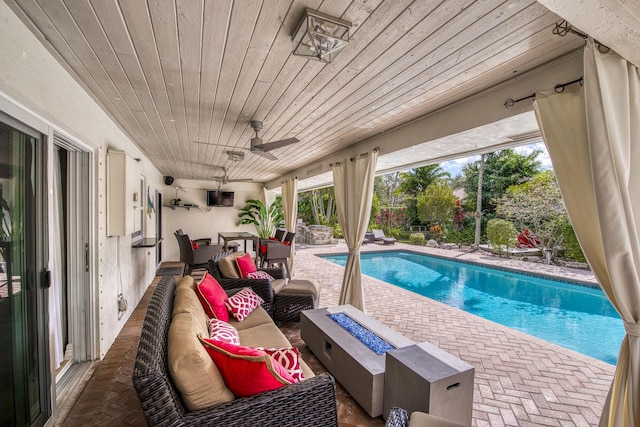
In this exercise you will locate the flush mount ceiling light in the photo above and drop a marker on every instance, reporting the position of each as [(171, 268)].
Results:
[(320, 36)]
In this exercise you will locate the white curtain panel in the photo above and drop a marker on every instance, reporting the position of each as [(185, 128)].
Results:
[(593, 139), (353, 187), (290, 207), (55, 264)]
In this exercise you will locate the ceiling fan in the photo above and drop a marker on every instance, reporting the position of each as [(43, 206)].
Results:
[(224, 179), (262, 149), (257, 146)]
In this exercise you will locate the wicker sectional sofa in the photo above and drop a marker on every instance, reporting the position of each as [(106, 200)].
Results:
[(169, 400)]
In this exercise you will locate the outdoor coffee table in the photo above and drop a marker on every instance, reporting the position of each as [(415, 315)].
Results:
[(354, 365)]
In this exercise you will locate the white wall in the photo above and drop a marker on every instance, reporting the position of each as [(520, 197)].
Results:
[(200, 224), (33, 82)]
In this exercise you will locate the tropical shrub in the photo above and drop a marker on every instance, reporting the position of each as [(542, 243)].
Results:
[(501, 234), (265, 219), (435, 232), (436, 204), (571, 245), (416, 238)]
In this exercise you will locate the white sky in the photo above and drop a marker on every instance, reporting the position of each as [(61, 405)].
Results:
[(454, 167)]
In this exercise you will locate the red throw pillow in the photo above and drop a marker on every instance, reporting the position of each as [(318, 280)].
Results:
[(289, 358), (194, 244), (243, 303), (246, 265), (246, 371), (220, 330), (212, 297)]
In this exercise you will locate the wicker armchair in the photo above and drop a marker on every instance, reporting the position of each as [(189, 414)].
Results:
[(262, 287), (195, 257), (277, 252), (309, 402)]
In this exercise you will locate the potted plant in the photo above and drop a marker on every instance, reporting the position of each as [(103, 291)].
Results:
[(265, 219)]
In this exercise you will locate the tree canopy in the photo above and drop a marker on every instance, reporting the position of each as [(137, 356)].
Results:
[(502, 169), (437, 204)]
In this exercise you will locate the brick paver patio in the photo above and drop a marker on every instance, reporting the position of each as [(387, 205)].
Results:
[(520, 380)]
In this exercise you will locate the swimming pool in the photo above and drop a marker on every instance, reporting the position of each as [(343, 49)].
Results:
[(577, 317)]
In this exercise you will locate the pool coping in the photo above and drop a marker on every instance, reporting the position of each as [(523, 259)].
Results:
[(480, 264)]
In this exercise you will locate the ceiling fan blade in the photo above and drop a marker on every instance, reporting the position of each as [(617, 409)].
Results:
[(276, 144), (264, 154)]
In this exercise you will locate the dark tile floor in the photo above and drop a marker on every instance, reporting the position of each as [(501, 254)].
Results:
[(108, 398)]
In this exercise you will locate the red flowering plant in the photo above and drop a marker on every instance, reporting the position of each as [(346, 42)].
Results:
[(458, 216), (391, 220)]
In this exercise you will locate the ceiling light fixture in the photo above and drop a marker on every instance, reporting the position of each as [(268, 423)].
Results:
[(235, 156), (320, 36)]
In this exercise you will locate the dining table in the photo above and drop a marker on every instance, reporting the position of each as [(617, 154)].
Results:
[(228, 236)]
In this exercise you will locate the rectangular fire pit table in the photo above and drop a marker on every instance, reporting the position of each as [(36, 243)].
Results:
[(359, 369)]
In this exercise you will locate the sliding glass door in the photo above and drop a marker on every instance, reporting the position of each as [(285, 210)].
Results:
[(24, 348)]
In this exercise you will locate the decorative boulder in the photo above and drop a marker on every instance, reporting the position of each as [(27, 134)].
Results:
[(432, 243)]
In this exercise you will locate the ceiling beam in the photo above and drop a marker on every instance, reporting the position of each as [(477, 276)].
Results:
[(480, 109), (614, 23)]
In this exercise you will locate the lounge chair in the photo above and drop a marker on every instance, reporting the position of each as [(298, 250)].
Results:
[(378, 236)]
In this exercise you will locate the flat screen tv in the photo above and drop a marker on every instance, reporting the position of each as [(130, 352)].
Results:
[(219, 198)]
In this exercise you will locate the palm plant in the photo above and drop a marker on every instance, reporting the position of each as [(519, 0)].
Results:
[(265, 219)]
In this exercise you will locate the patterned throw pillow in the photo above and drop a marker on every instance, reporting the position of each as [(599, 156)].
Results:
[(222, 331), (243, 303), (246, 371), (260, 275), (289, 358), (246, 265)]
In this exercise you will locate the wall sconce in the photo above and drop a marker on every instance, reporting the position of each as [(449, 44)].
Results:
[(320, 36)]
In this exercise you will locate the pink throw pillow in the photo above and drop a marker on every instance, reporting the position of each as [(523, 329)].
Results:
[(212, 297), (246, 265), (260, 275), (246, 371), (220, 330), (243, 303), (289, 358)]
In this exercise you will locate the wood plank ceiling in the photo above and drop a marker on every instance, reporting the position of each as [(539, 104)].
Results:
[(183, 78)]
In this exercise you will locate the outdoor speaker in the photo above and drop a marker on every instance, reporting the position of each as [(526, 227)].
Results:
[(168, 180)]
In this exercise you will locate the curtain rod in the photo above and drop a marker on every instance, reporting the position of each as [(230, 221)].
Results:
[(362, 156), (509, 102), (563, 28)]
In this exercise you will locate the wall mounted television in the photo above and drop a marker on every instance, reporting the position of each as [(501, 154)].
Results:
[(219, 198)]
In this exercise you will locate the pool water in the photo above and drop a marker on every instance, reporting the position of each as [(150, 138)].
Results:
[(573, 316)]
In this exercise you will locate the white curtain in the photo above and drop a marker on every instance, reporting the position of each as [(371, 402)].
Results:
[(290, 207), (55, 264), (593, 138), (353, 187)]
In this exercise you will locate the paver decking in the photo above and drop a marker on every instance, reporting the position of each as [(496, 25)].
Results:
[(520, 380)]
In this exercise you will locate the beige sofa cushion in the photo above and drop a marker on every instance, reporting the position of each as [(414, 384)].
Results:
[(186, 300), (267, 335), (258, 316), (191, 368), (228, 267), (278, 285)]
